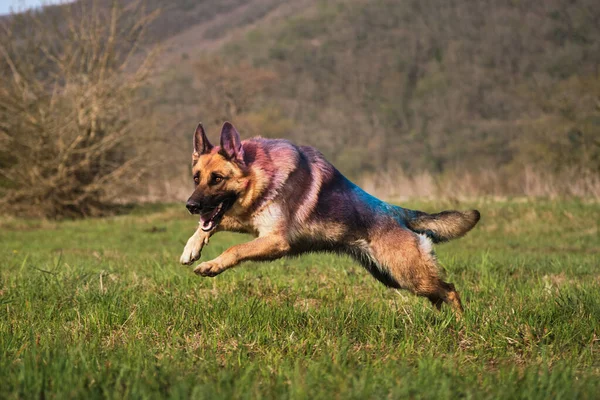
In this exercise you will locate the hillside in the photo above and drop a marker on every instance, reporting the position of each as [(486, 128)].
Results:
[(385, 87), (386, 84)]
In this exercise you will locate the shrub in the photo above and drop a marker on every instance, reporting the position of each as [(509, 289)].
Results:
[(69, 111)]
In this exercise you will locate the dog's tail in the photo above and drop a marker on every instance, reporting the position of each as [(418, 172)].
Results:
[(443, 226)]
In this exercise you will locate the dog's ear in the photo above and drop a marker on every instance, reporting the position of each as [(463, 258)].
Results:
[(201, 143), (231, 144)]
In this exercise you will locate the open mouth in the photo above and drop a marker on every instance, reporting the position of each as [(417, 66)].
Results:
[(210, 218)]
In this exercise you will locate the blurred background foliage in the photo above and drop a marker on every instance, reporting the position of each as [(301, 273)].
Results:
[(411, 98)]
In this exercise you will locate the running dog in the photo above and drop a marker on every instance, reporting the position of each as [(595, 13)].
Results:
[(294, 201)]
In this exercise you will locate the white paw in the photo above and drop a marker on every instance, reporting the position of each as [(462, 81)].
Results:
[(193, 249)]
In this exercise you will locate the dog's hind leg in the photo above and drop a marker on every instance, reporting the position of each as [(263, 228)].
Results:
[(444, 293), (408, 260)]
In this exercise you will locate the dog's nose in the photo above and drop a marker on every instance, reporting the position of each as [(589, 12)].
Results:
[(193, 207)]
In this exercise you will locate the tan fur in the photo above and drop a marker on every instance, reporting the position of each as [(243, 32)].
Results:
[(405, 255), (208, 163), (394, 244), (260, 249), (447, 225), (413, 265), (326, 231), (265, 222)]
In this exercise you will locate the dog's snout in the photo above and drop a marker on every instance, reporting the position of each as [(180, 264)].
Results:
[(193, 206)]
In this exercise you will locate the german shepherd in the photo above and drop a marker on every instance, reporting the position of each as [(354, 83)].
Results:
[(294, 201)]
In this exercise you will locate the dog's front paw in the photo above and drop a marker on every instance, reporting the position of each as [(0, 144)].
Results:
[(193, 249), (209, 268)]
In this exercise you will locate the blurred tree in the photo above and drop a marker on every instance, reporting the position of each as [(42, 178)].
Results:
[(71, 136)]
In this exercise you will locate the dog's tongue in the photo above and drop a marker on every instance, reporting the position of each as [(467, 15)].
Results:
[(206, 225), (206, 221)]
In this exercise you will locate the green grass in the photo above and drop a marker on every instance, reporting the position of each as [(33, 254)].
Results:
[(101, 308)]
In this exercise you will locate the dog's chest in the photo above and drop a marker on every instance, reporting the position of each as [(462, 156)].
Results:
[(268, 220)]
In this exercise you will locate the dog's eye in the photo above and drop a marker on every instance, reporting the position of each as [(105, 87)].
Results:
[(196, 179), (215, 179)]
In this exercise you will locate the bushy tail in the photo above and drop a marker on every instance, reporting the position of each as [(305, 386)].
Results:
[(443, 226)]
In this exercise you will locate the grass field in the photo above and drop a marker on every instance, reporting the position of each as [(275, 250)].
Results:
[(101, 308)]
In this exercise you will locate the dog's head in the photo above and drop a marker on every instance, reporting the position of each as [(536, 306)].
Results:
[(220, 175)]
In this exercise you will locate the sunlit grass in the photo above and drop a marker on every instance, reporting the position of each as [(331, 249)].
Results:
[(101, 308)]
